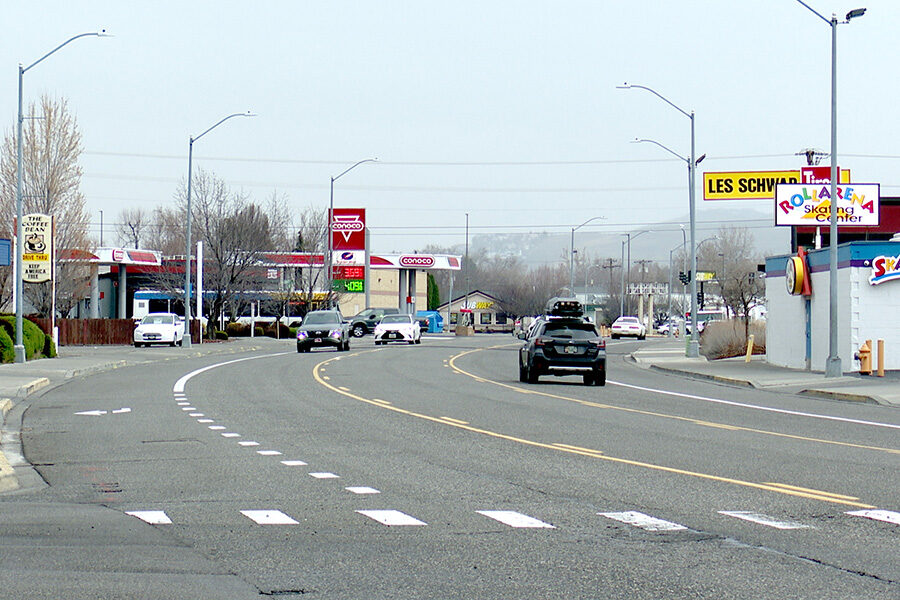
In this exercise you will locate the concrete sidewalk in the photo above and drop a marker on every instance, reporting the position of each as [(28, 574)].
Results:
[(668, 356)]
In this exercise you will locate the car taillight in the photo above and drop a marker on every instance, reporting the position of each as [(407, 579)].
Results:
[(601, 344), (540, 342)]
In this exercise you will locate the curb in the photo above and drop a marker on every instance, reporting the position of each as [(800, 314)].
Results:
[(843, 396), (704, 376), (30, 388)]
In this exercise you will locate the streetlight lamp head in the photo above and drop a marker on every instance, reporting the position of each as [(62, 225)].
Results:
[(624, 86), (102, 33), (856, 12), (700, 160)]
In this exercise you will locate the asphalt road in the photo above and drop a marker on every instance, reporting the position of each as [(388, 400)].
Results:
[(274, 474)]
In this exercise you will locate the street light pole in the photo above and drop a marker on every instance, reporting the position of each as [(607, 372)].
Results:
[(330, 220), (572, 253), (693, 348), (19, 346), (186, 339), (833, 364)]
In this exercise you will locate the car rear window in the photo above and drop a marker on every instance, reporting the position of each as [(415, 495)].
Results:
[(571, 331), (396, 319), (321, 318)]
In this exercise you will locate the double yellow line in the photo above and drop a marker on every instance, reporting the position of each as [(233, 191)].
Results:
[(577, 450)]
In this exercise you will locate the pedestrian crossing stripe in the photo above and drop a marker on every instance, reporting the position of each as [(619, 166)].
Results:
[(646, 522), (515, 519)]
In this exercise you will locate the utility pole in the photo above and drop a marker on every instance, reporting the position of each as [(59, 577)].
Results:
[(610, 264)]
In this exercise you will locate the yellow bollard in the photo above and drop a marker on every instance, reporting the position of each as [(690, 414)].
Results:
[(881, 358), (749, 348)]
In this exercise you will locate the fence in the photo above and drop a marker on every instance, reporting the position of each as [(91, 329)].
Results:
[(100, 332)]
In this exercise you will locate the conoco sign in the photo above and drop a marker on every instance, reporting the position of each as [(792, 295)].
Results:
[(419, 261), (348, 229)]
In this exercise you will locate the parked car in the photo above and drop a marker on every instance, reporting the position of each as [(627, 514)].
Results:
[(366, 321), (628, 327), (563, 346), (159, 328), (398, 328), (322, 328)]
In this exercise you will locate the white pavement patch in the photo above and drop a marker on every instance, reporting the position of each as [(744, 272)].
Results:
[(248, 443), (293, 463), (231, 435), (762, 519), (206, 420), (154, 517), (514, 519), (324, 475), (268, 517), (643, 521), (878, 515), (391, 518), (268, 452), (362, 490)]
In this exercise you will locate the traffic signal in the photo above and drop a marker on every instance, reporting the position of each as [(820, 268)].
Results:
[(700, 299), (684, 278)]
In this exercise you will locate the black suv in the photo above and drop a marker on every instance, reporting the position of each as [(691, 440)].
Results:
[(563, 343)]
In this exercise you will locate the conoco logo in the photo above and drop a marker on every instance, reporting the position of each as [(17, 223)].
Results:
[(347, 226), (118, 255), (416, 261)]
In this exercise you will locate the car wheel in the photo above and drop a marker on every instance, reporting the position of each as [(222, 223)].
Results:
[(411, 342), (600, 377), (642, 337), (615, 336), (418, 340), (588, 379), (359, 330), (531, 375), (523, 374)]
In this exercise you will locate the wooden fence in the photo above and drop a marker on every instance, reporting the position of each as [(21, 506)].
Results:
[(100, 332)]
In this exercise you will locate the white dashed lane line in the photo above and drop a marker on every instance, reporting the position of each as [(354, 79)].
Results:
[(293, 463), (154, 517), (878, 515), (324, 475), (268, 452), (362, 490)]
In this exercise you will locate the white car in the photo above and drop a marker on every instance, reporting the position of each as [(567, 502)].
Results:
[(628, 327), (159, 328), (398, 328)]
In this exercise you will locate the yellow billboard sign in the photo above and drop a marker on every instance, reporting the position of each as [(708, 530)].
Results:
[(751, 185)]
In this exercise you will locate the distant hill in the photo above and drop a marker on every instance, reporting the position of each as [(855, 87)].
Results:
[(542, 248)]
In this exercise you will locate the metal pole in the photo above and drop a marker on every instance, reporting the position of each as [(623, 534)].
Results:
[(572, 263), (693, 349), (186, 339), (833, 365), (622, 295), (19, 346), (669, 309), (330, 258), (466, 304)]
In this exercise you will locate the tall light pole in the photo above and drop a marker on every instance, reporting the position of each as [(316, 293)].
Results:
[(572, 253), (19, 346), (693, 348), (330, 220), (833, 364), (186, 341), (625, 243)]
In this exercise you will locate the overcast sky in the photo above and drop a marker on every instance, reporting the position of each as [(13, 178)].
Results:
[(507, 111)]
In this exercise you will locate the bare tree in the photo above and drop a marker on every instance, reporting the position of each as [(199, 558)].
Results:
[(132, 226), (51, 182), (739, 286)]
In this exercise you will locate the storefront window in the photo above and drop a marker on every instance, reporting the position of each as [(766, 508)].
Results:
[(485, 318), (501, 318), (454, 318)]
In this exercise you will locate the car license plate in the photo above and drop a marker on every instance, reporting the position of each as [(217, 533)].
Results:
[(318, 340), (571, 350)]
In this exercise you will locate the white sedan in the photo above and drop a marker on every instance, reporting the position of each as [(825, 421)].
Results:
[(159, 328), (398, 328), (628, 326)]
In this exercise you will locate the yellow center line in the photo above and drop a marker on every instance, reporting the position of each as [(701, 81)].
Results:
[(457, 421), (809, 491), (651, 413), (825, 497)]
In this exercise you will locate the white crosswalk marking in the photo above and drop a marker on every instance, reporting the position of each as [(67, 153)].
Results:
[(646, 522), (268, 517), (268, 452), (515, 519), (762, 519), (248, 443), (391, 517), (324, 475), (362, 490), (293, 463), (154, 517), (878, 515)]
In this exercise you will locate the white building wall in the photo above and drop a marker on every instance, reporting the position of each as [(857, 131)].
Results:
[(785, 325), (875, 308)]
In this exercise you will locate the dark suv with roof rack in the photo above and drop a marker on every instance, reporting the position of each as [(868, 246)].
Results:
[(563, 342)]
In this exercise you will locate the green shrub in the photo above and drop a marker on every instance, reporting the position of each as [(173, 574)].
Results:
[(49, 350), (282, 332), (221, 335), (7, 352), (32, 336), (258, 331), (236, 329)]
